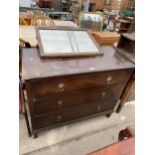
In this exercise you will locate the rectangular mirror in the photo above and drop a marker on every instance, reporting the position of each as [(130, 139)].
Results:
[(56, 42)]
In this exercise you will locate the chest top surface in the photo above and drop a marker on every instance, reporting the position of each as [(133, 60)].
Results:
[(35, 67)]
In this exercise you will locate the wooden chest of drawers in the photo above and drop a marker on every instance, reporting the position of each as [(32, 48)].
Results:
[(60, 91)]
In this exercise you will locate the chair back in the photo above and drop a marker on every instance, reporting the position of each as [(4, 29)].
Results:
[(22, 21), (42, 21)]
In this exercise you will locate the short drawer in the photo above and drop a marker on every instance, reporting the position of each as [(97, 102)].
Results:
[(72, 113), (57, 85), (48, 104)]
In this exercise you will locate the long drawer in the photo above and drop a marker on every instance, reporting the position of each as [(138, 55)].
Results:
[(73, 113), (55, 85), (48, 104)]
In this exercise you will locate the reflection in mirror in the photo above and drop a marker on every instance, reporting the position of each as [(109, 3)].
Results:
[(65, 42)]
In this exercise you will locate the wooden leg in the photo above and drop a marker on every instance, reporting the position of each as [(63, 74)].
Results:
[(108, 115), (126, 92), (27, 124), (35, 135), (122, 135), (124, 98), (27, 121), (25, 112), (119, 108), (126, 133)]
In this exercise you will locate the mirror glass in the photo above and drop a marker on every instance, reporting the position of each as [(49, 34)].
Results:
[(66, 41)]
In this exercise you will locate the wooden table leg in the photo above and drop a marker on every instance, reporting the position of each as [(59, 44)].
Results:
[(108, 115), (126, 92), (35, 135), (24, 108), (27, 122), (126, 133)]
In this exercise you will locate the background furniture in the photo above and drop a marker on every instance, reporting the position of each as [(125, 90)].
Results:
[(28, 33), (75, 12), (124, 25), (128, 92), (132, 26), (125, 145), (47, 11), (25, 18), (109, 21), (126, 47), (45, 3), (99, 4), (88, 6), (106, 38), (127, 133), (20, 99), (91, 20), (43, 21), (65, 23), (36, 8), (60, 91), (65, 5), (57, 5), (25, 3), (23, 43), (24, 21)]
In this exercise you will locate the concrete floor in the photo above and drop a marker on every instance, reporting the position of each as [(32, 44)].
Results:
[(77, 138)]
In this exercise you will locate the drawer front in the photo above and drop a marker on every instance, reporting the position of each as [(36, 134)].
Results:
[(55, 85), (48, 104), (72, 113)]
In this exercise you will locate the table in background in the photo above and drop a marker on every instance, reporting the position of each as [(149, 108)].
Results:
[(125, 147), (126, 47), (28, 33), (124, 25), (65, 23), (127, 133)]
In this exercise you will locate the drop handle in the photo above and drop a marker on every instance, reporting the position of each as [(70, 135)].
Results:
[(60, 103), (61, 87), (103, 94), (59, 118), (109, 79)]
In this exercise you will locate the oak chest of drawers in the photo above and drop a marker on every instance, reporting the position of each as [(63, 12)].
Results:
[(60, 91)]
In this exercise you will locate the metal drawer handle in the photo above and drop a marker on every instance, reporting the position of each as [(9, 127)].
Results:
[(98, 108), (109, 79), (60, 103), (61, 87), (59, 118), (103, 95)]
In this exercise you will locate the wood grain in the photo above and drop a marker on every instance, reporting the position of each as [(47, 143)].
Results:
[(33, 66)]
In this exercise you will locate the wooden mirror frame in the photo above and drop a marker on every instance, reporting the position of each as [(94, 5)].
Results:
[(69, 54)]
